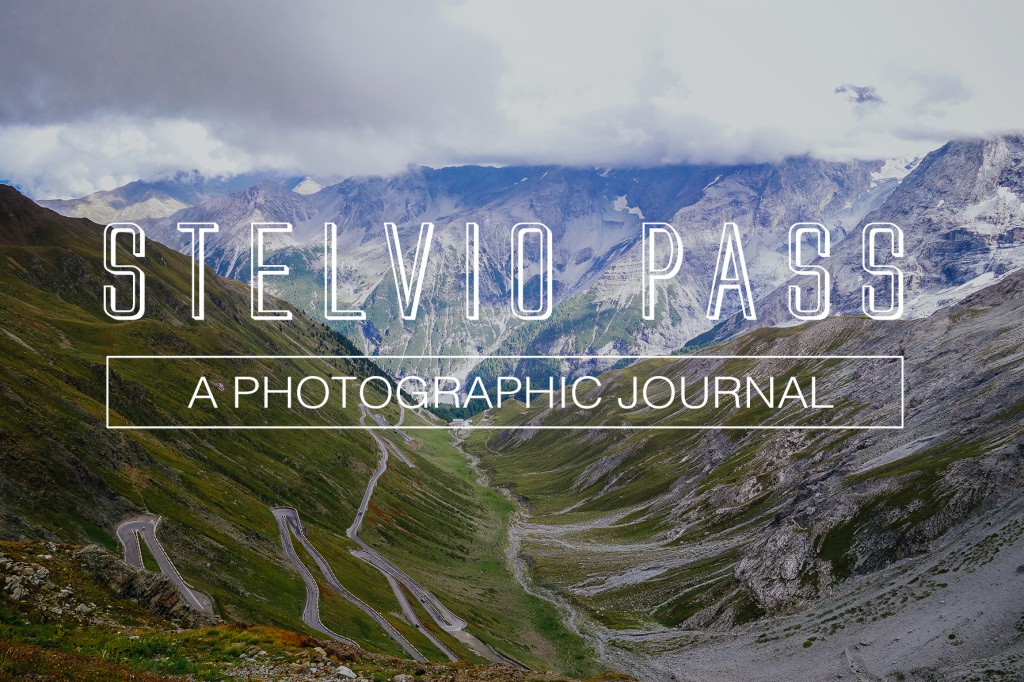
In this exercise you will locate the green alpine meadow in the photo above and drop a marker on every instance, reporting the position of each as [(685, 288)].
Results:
[(68, 479)]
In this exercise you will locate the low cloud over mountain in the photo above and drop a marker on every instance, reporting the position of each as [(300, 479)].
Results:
[(106, 93)]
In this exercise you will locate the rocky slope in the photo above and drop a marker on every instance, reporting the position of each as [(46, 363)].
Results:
[(89, 587), (963, 225), (102, 620), (658, 535)]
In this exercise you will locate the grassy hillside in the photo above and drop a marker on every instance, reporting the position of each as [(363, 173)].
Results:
[(77, 617), (65, 477)]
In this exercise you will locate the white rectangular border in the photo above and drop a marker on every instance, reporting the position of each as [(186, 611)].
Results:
[(489, 427)]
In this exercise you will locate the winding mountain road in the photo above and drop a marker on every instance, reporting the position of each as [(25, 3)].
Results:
[(410, 615), (444, 618), (133, 532), (144, 527), (311, 611), (441, 615), (288, 519), (395, 451), (289, 524)]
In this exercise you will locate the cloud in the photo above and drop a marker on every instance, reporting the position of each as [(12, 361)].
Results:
[(859, 94), (97, 93), (937, 91), (105, 152), (307, 64)]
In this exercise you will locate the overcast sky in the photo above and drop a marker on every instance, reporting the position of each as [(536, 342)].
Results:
[(96, 94)]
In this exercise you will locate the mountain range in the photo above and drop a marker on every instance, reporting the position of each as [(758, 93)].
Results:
[(963, 225), (165, 196), (958, 206), (670, 555)]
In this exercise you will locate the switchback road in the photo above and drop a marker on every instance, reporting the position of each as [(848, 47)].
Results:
[(311, 611), (288, 519), (129, 532), (444, 618)]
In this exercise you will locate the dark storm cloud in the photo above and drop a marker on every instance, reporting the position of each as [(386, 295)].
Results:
[(297, 64), (859, 94)]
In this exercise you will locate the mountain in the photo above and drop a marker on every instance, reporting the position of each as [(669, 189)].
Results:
[(152, 199), (228, 251), (66, 478), (595, 217), (963, 225), (815, 554), (130, 202), (306, 186), (959, 209)]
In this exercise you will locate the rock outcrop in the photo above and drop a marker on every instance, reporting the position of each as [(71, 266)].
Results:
[(153, 591)]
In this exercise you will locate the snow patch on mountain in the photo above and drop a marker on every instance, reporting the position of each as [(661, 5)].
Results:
[(928, 302), (895, 169), (307, 186), (621, 203), (991, 216)]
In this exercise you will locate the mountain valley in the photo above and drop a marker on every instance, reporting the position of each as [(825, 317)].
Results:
[(727, 552)]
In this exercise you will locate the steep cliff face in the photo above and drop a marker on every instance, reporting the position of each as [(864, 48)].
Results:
[(963, 218)]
